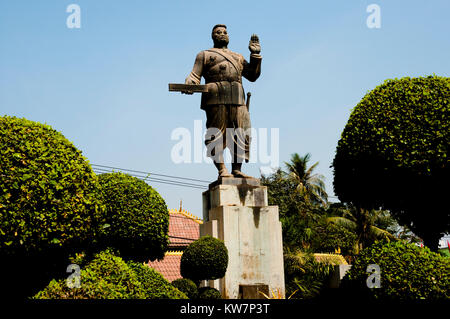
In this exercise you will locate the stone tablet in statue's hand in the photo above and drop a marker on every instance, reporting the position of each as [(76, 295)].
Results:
[(254, 46)]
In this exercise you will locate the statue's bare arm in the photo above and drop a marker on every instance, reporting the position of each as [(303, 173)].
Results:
[(196, 74)]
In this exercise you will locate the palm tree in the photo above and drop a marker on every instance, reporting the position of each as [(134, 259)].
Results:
[(310, 186), (363, 222)]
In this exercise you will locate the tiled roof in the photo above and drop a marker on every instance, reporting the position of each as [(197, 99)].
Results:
[(184, 228), (169, 267)]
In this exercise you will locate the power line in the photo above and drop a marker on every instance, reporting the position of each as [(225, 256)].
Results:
[(157, 180), (149, 173), (101, 169)]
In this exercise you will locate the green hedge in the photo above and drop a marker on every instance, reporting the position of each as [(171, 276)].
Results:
[(393, 153), (407, 272), (108, 276), (204, 259), (48, 191), (136, 215)]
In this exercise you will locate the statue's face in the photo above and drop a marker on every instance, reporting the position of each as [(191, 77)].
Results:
[(220, 35)]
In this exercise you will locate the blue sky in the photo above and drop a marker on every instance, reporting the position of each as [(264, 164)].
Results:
[(104, 86)]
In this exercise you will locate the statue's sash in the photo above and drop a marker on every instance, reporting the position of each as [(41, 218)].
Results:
[(227, 56)]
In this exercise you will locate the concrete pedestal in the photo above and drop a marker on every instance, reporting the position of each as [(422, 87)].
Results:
[(235, 210)]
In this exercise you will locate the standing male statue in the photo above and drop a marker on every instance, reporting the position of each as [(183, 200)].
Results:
[(224, 99)]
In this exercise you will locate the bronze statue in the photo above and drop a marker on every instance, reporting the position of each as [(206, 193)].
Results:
[(223, 98)]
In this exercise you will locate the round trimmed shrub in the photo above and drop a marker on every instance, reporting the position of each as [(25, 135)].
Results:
[(204, 259), (407, 272), (154, 284), (393, 153), (48, 191), (209, 293), (137, 218), (187, 286)]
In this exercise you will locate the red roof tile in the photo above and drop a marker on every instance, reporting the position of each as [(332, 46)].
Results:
[(169, 267), (183, 229)]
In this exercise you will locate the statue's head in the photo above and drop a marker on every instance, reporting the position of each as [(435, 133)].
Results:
[(219, 35)]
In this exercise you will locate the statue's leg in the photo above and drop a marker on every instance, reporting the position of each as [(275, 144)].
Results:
[(240, 118), (215, 140), (221, 168)]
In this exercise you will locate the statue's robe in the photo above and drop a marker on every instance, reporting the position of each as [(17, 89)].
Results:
[(224, 103)]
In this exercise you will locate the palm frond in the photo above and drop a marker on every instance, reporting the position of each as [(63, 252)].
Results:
[(311, 168), (380, 233), (342, 221)]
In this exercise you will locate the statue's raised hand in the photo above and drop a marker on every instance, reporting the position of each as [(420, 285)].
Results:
[(254, 46)]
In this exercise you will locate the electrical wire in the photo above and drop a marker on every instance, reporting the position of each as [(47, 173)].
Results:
[(149, 173), (153, 179), (101, 169)]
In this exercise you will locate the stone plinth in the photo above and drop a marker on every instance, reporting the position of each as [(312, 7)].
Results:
[(235, 210)]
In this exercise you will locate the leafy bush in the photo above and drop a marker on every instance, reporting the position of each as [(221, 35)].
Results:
[(393, 153), (206, 258), (444, 252), (154, 284), (108, 276), (305, 278), (48, 191), (407, 272), (137, 217), (209, 293), (187, 286), (329, 237)]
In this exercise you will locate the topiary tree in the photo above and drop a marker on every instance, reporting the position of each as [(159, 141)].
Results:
[(48, 191), (204, 259), (393, 153), (406, 272), (49, 203), (187, 286), (137, 217)]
